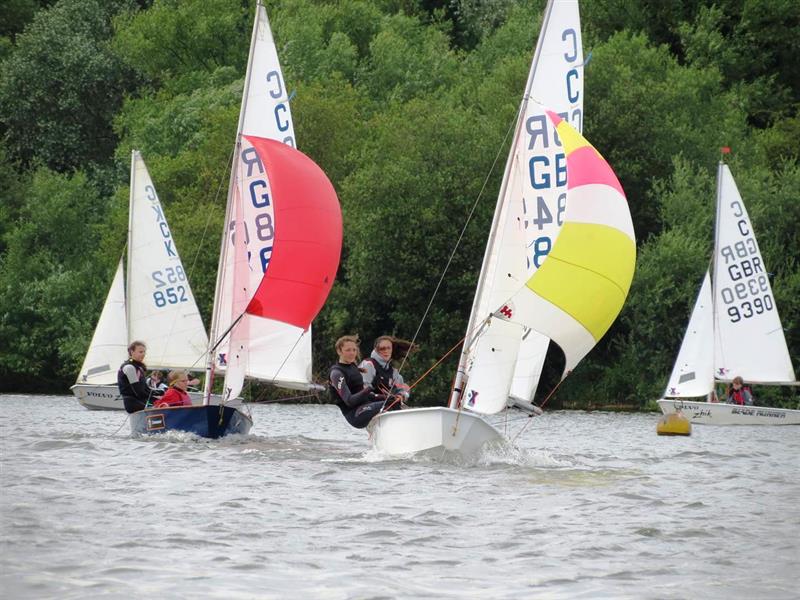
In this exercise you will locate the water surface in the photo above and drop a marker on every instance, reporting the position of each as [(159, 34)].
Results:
[(587, 505)]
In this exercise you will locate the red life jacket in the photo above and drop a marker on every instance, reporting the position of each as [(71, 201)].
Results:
[(738, 396), (174, 397)]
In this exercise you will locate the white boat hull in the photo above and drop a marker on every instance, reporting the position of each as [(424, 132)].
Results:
[(720, 413), (404, 432), (106, 397)]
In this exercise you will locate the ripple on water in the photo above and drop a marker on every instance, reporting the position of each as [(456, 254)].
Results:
[(587, 505)]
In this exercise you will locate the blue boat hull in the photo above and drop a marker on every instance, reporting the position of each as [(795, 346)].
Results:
[(212, 421)]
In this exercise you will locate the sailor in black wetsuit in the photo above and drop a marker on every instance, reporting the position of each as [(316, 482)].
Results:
[(131, 379), (357, 402)]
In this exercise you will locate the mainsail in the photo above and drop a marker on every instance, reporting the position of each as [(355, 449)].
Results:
[(278, 352), (533, 196), (748, 336), (282, 240), (161, 307), (576, 294)]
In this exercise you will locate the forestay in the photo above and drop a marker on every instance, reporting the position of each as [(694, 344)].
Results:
[(749, 340), (161, 307)]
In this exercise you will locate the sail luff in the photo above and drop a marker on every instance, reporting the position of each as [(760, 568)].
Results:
[(714, 316), (128, 245)]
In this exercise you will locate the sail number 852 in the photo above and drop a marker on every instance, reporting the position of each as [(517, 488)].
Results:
[(166, 293)]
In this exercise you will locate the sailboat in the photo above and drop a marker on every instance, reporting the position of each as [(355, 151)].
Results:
[(159, 307), (734, 329), (279, 255), (533, 285)]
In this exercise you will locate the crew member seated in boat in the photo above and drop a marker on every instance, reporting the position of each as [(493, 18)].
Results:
[(738, 393), (177, 394), (131, 379), (358, 402), (156, 381), (380, 374)]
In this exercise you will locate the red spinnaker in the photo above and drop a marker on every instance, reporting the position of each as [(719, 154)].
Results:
[(308, 236)]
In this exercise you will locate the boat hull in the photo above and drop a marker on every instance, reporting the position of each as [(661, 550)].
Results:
[(433, 429), (720, 413), (211, 421), (106, 397)]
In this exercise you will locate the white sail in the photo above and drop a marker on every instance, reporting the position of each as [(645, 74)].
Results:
[(559, 58), (530, 209), (277, 352), (749, 340), (693, 373), (109, 346), (161, 307)]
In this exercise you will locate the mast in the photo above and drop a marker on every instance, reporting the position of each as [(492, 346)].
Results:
[(713, 268), (127, 268)]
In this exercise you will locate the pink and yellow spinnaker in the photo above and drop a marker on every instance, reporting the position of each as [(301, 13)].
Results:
[(580, 288)]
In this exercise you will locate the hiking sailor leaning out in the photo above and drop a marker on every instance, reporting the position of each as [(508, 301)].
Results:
[(358, 402), (379, 372), (131, 379)]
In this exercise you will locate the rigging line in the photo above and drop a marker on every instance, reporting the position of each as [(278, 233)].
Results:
[(211, 212), (288, 354), (283, 399), (553, 391), (464, 229), (421, 377), (125, 420)]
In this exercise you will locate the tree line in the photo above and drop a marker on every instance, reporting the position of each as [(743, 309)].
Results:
[(405, 105)]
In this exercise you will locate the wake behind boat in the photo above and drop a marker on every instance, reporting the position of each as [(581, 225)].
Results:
[(278, 257), (734, 330), (561, 234)]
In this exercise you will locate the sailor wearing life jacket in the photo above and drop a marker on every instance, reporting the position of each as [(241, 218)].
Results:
[(379, 372), (357, 401), (739, 393), (131, 378)]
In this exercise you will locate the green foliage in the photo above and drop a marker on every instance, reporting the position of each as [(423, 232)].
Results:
[(174, 40), (643, 108), (61, 87), (406, 105), (51, 287)]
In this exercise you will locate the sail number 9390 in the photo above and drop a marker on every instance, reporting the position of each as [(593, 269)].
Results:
[(747, 299), (169, 289)]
